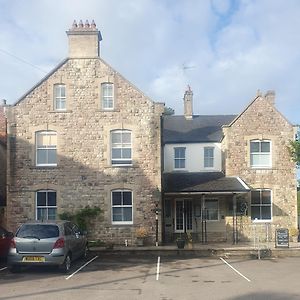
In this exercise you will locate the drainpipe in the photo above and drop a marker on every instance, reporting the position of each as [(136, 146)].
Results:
[(234, 221)]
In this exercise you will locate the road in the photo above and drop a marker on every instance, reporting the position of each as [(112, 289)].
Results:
[(164, 278)]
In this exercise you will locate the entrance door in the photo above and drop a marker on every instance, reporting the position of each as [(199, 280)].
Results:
[(184, 215)]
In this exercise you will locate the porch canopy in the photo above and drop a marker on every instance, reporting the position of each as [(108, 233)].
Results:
[(202, 183)]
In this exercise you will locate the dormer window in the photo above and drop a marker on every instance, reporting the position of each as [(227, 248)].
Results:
[(107, 96), (59, 97), (260, 154)]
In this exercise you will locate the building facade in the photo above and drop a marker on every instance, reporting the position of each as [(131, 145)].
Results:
[(228, 178), (85, 136), (3, 159)]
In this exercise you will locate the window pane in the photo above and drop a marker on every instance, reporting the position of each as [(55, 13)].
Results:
[(266, 212), (255, 212), (126, 153), (51, 198), (116, 137), (127, 198), (41, 213), (116, 153), (52, 140), (52, 156), (212, 214), (51, 213), (41, 156), (116, 198), (126, 137), (41, 199), (254, 146), (117, 214), (255, 197), (179, 152), (266, 197), (63, 91), (264, 159), (211, 204), (127, 211), (265, 146)]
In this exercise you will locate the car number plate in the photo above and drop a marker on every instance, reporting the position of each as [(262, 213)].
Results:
[(33, 258)]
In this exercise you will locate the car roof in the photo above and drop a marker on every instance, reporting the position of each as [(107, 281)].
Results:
[(47, 222)]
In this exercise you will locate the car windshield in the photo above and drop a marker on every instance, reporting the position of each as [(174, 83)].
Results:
[(38, 231)]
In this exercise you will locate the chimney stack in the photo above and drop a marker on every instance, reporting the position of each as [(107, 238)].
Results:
[(188, 103), (84, 40), (270, 96)]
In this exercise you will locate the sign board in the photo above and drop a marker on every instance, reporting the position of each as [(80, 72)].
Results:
[(282, 237)]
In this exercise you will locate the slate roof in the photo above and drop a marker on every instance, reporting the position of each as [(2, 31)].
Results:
[(202, 182), (202, 128)]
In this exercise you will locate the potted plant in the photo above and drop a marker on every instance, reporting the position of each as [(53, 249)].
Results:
[(180, 241), (141, 234), (189, 239)]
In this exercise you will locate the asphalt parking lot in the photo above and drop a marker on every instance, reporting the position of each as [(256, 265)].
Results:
[(153, 277)]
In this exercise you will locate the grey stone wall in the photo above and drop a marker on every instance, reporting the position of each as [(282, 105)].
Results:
[(84, 174), (261, 120)]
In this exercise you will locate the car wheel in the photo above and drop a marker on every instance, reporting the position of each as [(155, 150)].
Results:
[(66, 266)]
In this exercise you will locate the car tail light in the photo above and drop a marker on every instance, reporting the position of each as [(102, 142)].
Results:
[(12, 243), (60, 243)]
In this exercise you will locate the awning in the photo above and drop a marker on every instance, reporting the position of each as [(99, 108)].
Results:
[(202, 183)]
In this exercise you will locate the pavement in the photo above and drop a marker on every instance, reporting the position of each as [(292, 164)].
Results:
[(246, 249)]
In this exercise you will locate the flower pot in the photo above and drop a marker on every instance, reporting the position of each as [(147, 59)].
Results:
[(180, 244)]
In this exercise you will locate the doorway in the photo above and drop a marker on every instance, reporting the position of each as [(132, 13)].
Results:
[(183, 215)]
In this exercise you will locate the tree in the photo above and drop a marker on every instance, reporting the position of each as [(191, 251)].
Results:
[(294, 149), (169, 111)]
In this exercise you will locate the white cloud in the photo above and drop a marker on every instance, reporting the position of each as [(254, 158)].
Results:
[(235, 47)]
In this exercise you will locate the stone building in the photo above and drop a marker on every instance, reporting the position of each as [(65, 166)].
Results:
[(228, 177), (84, 135), (3, 158)]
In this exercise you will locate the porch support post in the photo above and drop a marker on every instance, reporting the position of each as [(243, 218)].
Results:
[(234, 221)]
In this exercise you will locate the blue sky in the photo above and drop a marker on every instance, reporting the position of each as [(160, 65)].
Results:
[(224, 49)]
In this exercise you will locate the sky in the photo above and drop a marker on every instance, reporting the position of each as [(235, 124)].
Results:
[(226, 50)]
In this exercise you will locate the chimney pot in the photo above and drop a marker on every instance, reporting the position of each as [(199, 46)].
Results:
[(74, 25)]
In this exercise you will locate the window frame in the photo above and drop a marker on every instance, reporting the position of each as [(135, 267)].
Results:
[(217, 209), (58, 98), (122, 206), (47, 206), (210, 159), (46, 148), (122, 146), (260, 205), (179, 158), (260, 154), (107, 99)]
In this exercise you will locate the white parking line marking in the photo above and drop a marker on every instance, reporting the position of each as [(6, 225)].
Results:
[(3, 269), (235, 270), (81, 267), (157, 268)]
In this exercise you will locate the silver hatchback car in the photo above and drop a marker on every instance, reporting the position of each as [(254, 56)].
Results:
[(46, 243)]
